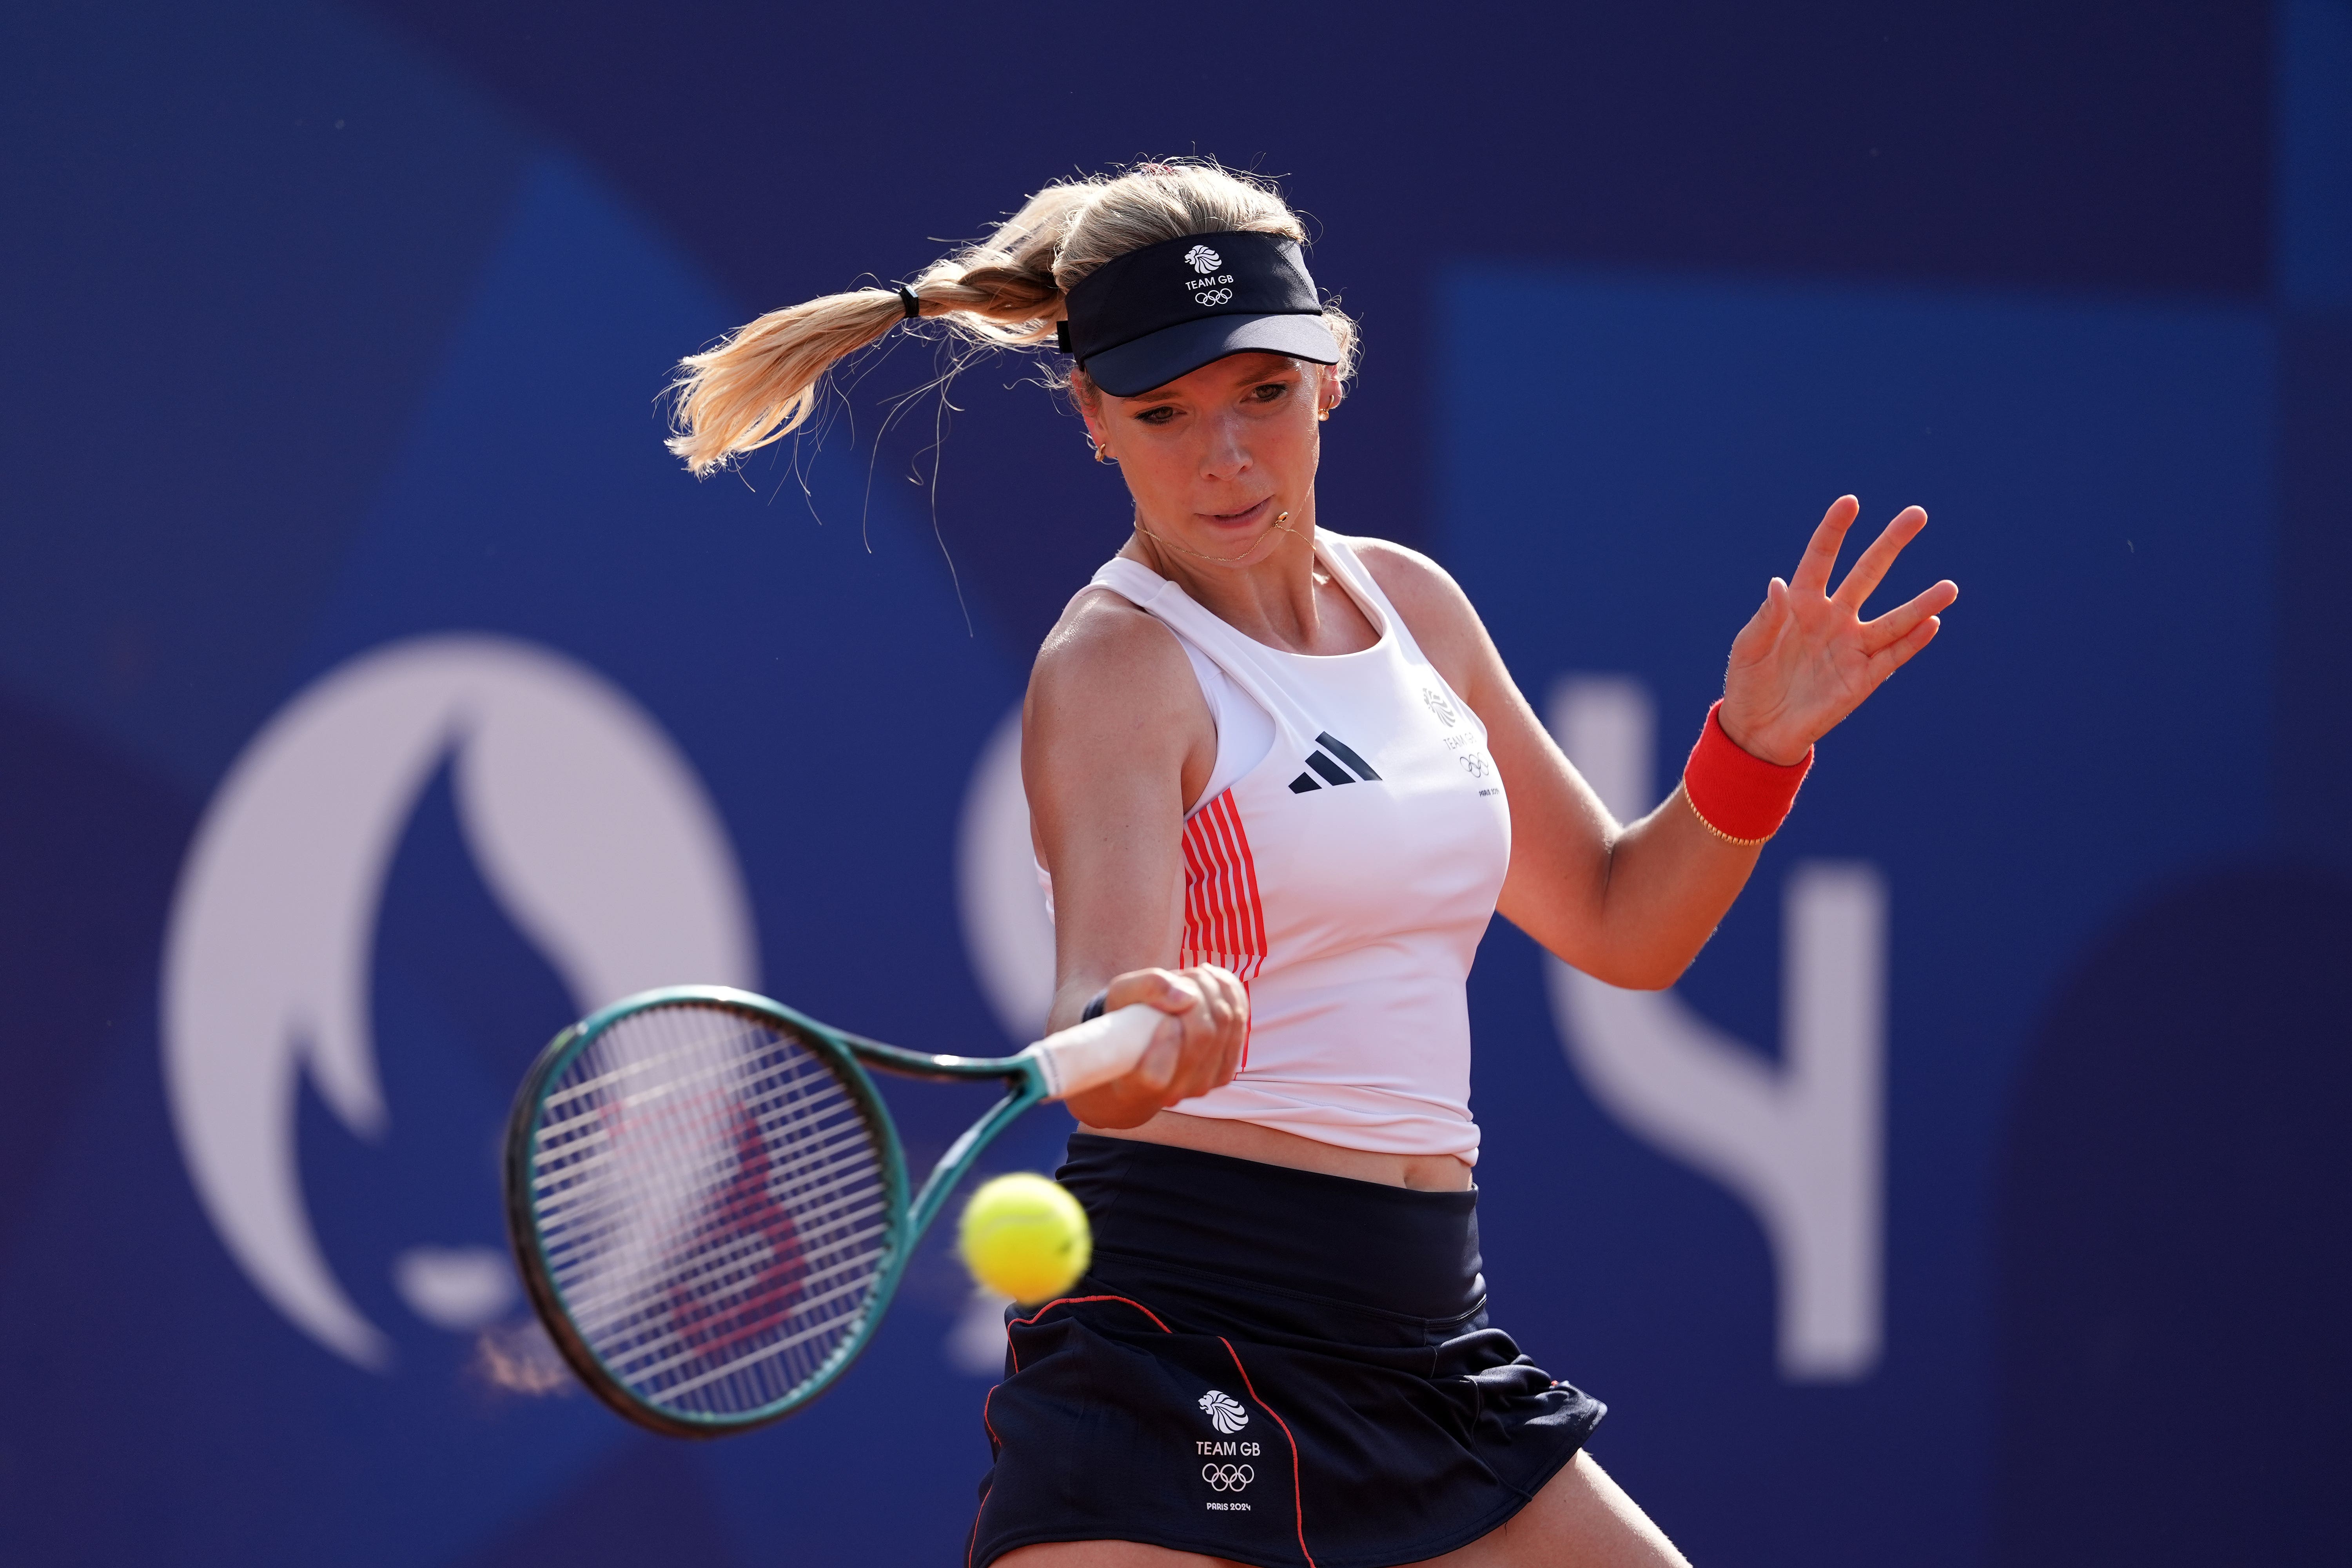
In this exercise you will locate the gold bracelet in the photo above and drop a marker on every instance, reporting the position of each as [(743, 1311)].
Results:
[(1711, 827)]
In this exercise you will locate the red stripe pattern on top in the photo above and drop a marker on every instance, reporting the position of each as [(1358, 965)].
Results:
[(1225, 922)]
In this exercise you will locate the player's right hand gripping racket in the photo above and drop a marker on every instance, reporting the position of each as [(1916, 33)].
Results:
[(708, 1202)]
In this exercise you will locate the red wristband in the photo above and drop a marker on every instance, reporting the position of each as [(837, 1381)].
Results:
[(1739, 799)]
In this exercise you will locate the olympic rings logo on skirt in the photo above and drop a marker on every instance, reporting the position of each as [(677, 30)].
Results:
[(1213, 296), (1228, 1478)]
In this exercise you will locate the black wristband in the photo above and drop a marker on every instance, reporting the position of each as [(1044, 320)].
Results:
[(1095, 1008)]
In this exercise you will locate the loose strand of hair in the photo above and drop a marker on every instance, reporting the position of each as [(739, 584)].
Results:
[(769, 379)]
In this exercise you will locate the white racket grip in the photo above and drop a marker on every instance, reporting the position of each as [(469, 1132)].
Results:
[(1085, 1056)]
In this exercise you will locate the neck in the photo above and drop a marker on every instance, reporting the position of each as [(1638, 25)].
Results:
[(1271, 590)]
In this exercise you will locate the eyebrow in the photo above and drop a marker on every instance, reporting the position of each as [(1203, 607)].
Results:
[(1162, 394)]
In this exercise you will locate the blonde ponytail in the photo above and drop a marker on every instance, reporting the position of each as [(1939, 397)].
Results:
[(763, 381)]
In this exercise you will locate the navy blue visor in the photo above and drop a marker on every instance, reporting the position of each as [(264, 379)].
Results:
[(1141, 320)]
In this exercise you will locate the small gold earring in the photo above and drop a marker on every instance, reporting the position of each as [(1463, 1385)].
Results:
[(1101, 458), (1322, 413)]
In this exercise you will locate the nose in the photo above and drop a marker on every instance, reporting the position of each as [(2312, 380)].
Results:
[(1225, 454)]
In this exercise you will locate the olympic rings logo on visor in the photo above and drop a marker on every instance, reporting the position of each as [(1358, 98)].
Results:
[(1213, 296), (1228, 1478)]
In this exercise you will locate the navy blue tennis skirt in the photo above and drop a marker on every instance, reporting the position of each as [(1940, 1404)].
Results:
[(1270, 1366)]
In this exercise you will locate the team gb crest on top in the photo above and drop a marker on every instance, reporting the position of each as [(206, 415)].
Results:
[(1223, 1411)]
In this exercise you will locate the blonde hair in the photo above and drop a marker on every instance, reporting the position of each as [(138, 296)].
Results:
[(763, 381)]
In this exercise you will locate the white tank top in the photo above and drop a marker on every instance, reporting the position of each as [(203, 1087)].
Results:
[(1344, 862)]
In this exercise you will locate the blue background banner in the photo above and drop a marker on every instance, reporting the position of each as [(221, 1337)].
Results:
[(338, 331)]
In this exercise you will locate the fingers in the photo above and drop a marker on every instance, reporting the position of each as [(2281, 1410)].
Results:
[(1812, 574), (1213, 1034), (1160, 988), (1871, 568), (1232, 1008), (1161, 1058), (1898, 622), (1199, 1046), (1171, 994), (1763, 628), (1894, 657)]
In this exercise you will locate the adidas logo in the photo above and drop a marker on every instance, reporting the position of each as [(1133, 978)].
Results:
[(1333, 773)]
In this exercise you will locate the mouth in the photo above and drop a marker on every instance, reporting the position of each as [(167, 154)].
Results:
[(1242, 518)]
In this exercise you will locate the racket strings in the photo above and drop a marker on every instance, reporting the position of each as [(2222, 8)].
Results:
[(589, 1146), (565, 1191), (712, 1207)]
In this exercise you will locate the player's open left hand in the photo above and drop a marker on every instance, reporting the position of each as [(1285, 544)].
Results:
[(1807, 659), (1198, 1048)]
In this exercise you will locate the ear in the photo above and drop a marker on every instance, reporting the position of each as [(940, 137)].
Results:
[(1090, 410), (1328, 392)]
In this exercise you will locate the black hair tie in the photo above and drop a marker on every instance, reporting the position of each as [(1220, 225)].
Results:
[(906, 297)]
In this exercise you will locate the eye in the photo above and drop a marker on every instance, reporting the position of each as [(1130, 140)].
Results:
[(1270, 392), (1159, 415)]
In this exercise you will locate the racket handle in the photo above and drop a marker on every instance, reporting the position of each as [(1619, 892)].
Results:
[(1087, 1055)]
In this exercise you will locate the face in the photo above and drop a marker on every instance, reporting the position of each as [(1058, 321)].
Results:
[(1213, 457)]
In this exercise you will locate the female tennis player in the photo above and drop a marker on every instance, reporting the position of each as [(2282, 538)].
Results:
[(1280, 779)]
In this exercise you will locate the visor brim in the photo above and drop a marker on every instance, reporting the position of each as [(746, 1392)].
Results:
[(1158, 358)]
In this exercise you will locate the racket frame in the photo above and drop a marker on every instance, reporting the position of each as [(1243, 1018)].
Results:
[(846, 1054)]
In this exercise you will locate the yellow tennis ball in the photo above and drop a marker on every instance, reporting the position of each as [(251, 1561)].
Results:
[(1025, 1237)]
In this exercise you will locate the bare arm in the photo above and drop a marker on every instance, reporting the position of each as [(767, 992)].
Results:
[(1632, 904), (1115, 736)]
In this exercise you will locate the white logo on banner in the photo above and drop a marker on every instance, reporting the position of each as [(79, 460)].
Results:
[(1801, 1143), (591, 831), (1006, 931), (1203, 259)]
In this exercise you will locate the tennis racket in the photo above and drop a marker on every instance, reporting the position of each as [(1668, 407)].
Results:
[(708, 1202)]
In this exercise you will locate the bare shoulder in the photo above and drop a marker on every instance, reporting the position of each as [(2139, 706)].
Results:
[(1424, 594), (1106, 655)]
